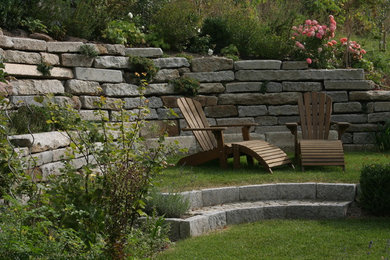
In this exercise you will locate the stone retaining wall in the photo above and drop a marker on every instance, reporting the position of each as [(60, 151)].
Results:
[(260, 91)]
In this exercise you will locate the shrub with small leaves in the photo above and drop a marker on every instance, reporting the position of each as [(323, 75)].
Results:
[(88, 50), (170, 205), (123, 32), (144, 67), (186, 86), (231, 52), (44, 68)]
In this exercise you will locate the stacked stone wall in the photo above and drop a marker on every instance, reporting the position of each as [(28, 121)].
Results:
[(257, 91)]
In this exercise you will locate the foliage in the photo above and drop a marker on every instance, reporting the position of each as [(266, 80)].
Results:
[(186, 86), (153, 39), (144, 67), (123, 32), (12, 12), (170, 205), (3, 74), (383, 137), (44, 68), (375, 188), (230, 52), (88, 50), (34, 25), (200, 44), (30, 119), (144, 10), (217, 28)]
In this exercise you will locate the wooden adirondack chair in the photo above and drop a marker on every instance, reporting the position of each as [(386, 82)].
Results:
[(314, 148), (211, 141)]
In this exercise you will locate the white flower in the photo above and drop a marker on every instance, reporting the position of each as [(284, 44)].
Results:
[(210, 52), (199, 30), (130, 15)]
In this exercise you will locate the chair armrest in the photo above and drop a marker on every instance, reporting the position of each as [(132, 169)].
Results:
[(293, 127), (238, 125), (341, 128), (244, 129), (205, 129)]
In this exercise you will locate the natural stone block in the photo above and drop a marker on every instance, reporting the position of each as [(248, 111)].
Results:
[(164, 75), (76, 60), (244, 111), (174, 228), (39, 159), (332, 211), (207, 100), (362, 128), (282, 120), (36, 87), (265, 129), (159, 89), (360, 147), (274, 87), (23, 70), (169, 63), (294, 65), (257, 65), (6, 42), (217, 196), (144, 52), (336, 191), (350, 118), (112, 49), (210, 64), (296, 191), (338, 96), (169, 101), (244, 215), (302, 86), (243, 87), (259, 99), (349, 85), (234, 121), (41, 142), (309, 211), (22, 57), (347, 138), (194, 198), (370, 95), (133, 102), (154, 102), (378, 117), (382, 106), (151, 115), (198, 225), (207, 88), (364, 138), (157, 128), (26, 44), (100, 75), (120, 90), (258, 192), (211, 76), (91, 115), (89, 102), (81, 87), (64, 46), (266, 120), (275, 212), (280, 139), (51, 169), (221, 111), (116, 62), (19, 101), (217, 219), (283, 110), (52, 59), (164, 113), (349, 107)]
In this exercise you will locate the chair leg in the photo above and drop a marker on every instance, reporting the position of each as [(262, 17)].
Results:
[(249, 160), (236, 156)]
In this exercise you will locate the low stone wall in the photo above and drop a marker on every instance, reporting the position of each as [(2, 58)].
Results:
[(259, 91)]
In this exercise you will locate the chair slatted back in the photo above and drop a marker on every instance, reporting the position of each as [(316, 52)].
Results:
[(315, 110), (195, 118)]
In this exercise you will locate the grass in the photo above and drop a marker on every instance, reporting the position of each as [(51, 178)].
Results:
[(180, 178), (291, 239)]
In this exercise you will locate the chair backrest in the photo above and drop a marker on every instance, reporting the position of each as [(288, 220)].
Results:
[(195, 118), (314, 111)]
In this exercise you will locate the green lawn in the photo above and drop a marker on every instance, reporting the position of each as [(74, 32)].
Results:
[(290, 239), (180, 178)]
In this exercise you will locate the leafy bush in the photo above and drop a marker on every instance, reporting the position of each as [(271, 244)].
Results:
[(123, 32), (30, 119), (230, 52), (383, 137), (217, 28), (144, 67), (12, 12), (34, 25), (44, 68), (200, 44), (88, 50), (186, 86), (170, 205), (375, 189)]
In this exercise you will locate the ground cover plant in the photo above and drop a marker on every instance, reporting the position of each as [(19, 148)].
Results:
[(366, 238)]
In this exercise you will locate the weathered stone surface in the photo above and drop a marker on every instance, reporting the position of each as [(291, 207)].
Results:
[(243, 87), (81, 87), (296, 191), (218, 196), (6, 42), (31, 71), (207, 100), (275, 212), (349, 107), (244, 111), (338, 96), (258, 192), (159, 89), (39, 159), (154, 102), (116, 116), (164, 75), (157, 128), (244, 215), (349, 85), (41, 36), (221, 111), (274, 87), (302, 86), (336, 191), (174, 228), (368, 107), (194, 198), (5, 89), (26, 44), (51, 169), (294, 65), (198, 225), (217, 219), (283, 110), (116, 62), (217, 76), (90, 115), (259, 99), (309, 211), (210, 64), (64, 46), (266, 120), (120, 90), (206, 88), (282, 120), (362, 128), (257, 65), (364, 138), (36, 87), (360, 147), (144, 52), (100, 75), (276, 128), (337, 211), (41, 141), (169, 101), (280, 139), (350, 118), (164, 113), (19, 101), (370, 95), (169, 63), (76, 60), (382, 106), (22, 57), (294, 75), (89, 102), (132, 103), (52, 59), (378, 117), (113, 49)]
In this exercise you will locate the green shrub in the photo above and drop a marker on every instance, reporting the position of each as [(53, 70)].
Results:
[(169, 205), (186, 86), (200, 44), (34, 25), (383, 137), (153, 39), (44, 68), (217, 28), (88, 50), (230, 52), (12, 12), (123, 32), (30, 119), (375, 189), (144, 67)]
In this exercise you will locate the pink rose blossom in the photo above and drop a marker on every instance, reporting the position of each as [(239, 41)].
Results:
[(308, 22), (309, 61), (299, 45), (319, 35)]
